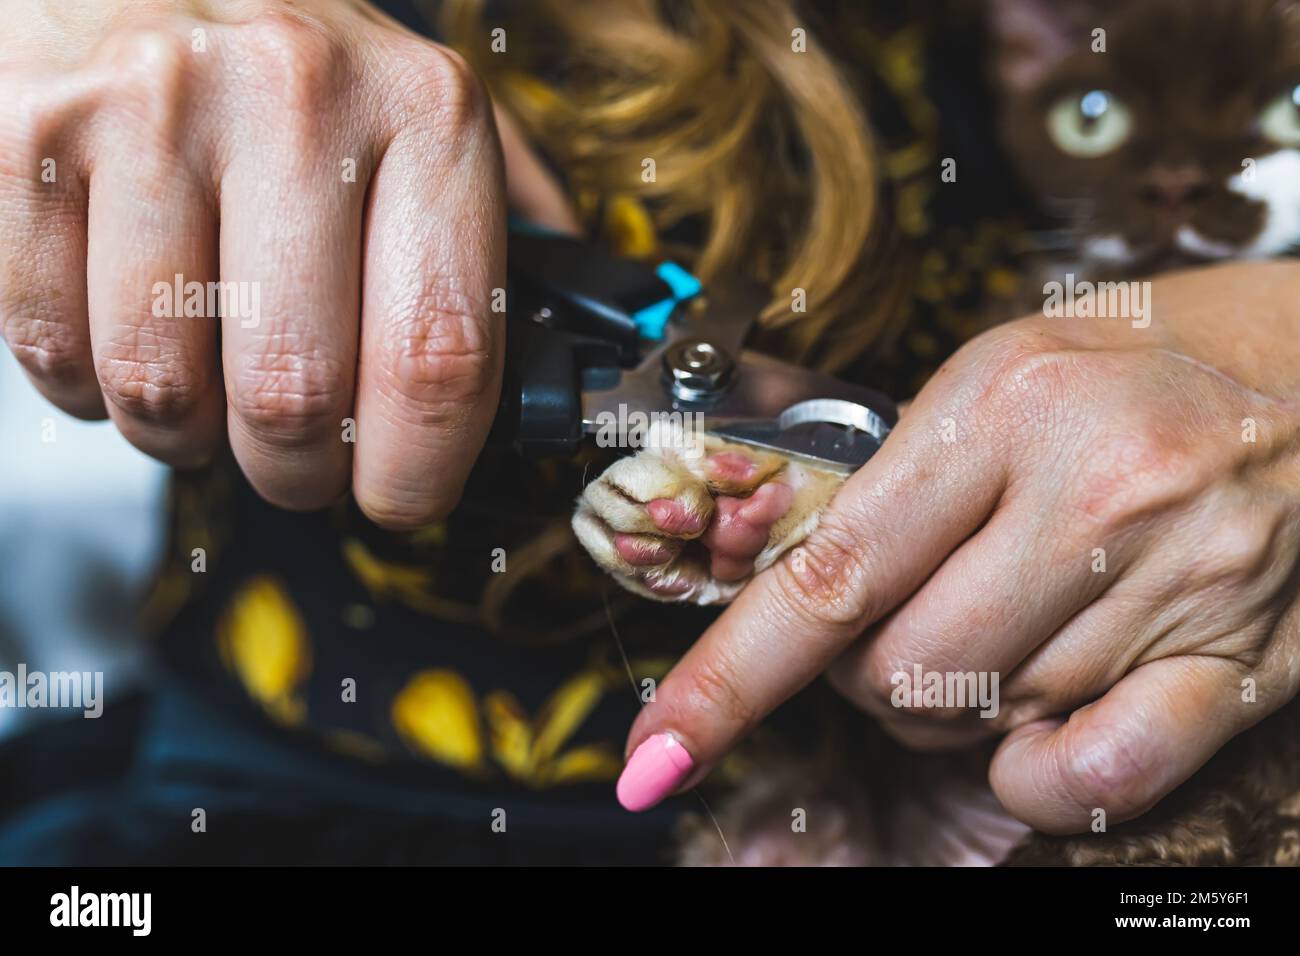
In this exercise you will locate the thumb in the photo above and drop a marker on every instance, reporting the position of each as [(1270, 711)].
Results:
[(1117, 757)]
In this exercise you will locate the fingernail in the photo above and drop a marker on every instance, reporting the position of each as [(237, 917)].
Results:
[(656, 769)]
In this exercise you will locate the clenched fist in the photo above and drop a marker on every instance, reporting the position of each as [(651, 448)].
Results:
[(281, 221)]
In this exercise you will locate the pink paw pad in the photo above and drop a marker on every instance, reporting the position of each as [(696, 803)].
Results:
[(671, 587), (639, 551), (732, 466), (742, 526), (674, 517)]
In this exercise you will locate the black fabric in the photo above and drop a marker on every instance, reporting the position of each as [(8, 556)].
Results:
[(124, 789)]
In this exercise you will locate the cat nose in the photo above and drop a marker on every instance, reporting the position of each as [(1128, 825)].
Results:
[(1174, 186)]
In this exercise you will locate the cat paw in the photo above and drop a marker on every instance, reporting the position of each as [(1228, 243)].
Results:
[(693, 523)]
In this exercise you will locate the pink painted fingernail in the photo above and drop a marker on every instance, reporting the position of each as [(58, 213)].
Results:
[(656, 769)]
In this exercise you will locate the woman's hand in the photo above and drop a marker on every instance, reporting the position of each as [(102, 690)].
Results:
[(1105, 517), (338, 175)]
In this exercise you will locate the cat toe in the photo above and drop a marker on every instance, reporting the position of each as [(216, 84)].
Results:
[(643, 550), (646, 495), (742, 528)]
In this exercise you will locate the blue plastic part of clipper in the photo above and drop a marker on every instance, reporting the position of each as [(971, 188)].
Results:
[(653, 319)]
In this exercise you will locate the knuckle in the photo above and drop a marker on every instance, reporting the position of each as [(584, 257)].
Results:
[(146, 49), (291, 400), (462, 96), (441, 360), (150, 67), (443, 90), (30, 125), (826, 580), (714, 689), (159, 392), (1024, 381), (296, 59), (1130, 475), (1239, 550), (1103, 773), (46, 347)]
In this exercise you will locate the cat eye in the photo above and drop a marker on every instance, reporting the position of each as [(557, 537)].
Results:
[(1280, 121), (1089, 124)]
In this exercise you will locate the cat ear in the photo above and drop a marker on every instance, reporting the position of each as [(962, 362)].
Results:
[(1031, 36)]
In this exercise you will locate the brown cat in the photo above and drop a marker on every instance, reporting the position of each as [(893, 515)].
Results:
[(1163, 133)]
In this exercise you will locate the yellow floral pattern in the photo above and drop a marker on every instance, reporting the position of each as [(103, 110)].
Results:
[(263, 640), (438, 715)]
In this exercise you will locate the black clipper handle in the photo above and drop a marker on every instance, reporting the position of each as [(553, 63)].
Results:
[(569, 323)]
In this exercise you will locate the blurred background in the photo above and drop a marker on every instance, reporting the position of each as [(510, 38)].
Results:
[(82, 524)]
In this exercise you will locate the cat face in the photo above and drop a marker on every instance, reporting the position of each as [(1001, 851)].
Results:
[(1179, 143)]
